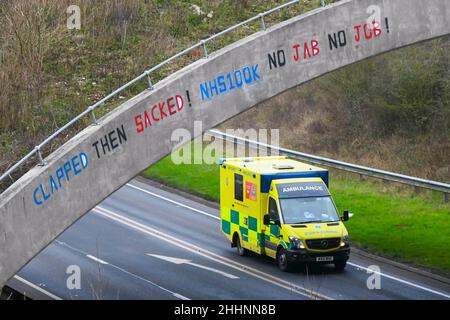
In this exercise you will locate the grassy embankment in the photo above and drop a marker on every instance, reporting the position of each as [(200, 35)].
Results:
[(388, 220)]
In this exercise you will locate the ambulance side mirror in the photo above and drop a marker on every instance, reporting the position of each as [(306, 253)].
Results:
[(346, 216), (266, 220)]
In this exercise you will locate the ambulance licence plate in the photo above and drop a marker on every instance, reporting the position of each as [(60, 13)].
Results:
[(323, 259)]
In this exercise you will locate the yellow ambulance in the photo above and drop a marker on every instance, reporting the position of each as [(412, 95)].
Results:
[(282, 208)]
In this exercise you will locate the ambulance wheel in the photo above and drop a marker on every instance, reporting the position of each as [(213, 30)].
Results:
[(339, 266), (282, 260), (240, 249)]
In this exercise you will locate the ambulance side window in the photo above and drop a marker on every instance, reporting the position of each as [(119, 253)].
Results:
[(273, 210), (238, 187)]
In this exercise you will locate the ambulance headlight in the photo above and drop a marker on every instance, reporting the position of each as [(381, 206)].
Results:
[(296, 243), (345, 242)]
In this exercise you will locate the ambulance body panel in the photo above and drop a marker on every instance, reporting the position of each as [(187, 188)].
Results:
[(275, 205)]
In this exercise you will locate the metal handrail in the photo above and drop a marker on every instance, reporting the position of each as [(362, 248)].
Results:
[(145, 74), (362, 170)]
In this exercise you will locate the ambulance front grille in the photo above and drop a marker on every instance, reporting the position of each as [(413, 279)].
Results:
[(323, 244)]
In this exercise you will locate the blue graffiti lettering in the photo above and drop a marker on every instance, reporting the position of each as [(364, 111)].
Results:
[(59, 176), (255, 73), (36, 200), (84, 160), (75, 165), (229, 81), (67, 168), (62, 175), (222, 84), (45, 196), (53, 185)]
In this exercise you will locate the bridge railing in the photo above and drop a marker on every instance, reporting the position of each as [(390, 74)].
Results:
[(145, 75), (331, 163)]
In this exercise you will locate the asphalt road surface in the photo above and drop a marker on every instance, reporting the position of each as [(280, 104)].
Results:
[(147, 243)]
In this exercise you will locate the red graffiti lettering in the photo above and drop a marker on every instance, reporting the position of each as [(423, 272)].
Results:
[(158, 112), (357, 36), (139, 125), (296, 54), (180, 102), (161, 109), (153, 113), (306, 53), (367, 31), (315, 47), (377, 29), (310, 50), (171, 106)]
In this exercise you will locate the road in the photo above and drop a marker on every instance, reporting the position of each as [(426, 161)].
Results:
[(147, 243)]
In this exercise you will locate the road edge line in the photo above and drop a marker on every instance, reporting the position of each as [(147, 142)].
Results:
[(390, 262), (210, 255), (36, 287)]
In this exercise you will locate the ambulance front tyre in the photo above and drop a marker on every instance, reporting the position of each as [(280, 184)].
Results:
[(282, 260), (240, 249), (340, 265)]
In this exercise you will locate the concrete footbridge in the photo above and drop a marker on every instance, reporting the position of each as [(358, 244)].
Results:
[(104, 157)]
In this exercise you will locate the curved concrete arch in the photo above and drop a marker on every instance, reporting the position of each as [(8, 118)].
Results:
[(102, 158)]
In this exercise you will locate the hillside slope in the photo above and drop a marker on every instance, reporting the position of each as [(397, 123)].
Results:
[(49, 74), (390, 112)]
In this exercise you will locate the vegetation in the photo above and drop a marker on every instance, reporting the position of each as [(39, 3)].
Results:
[(390, 112), (49, 74), (387, 220)]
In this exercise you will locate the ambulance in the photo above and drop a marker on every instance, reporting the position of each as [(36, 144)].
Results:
[(282, 208)]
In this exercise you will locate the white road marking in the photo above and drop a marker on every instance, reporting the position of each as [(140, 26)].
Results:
[(35, 287), (173, 201), (401, 280), (189, 262), (350, 263), (210, 255), (175, 294), (96, 259)]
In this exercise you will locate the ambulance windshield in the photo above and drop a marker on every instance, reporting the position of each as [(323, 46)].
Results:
[(308, 210)]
